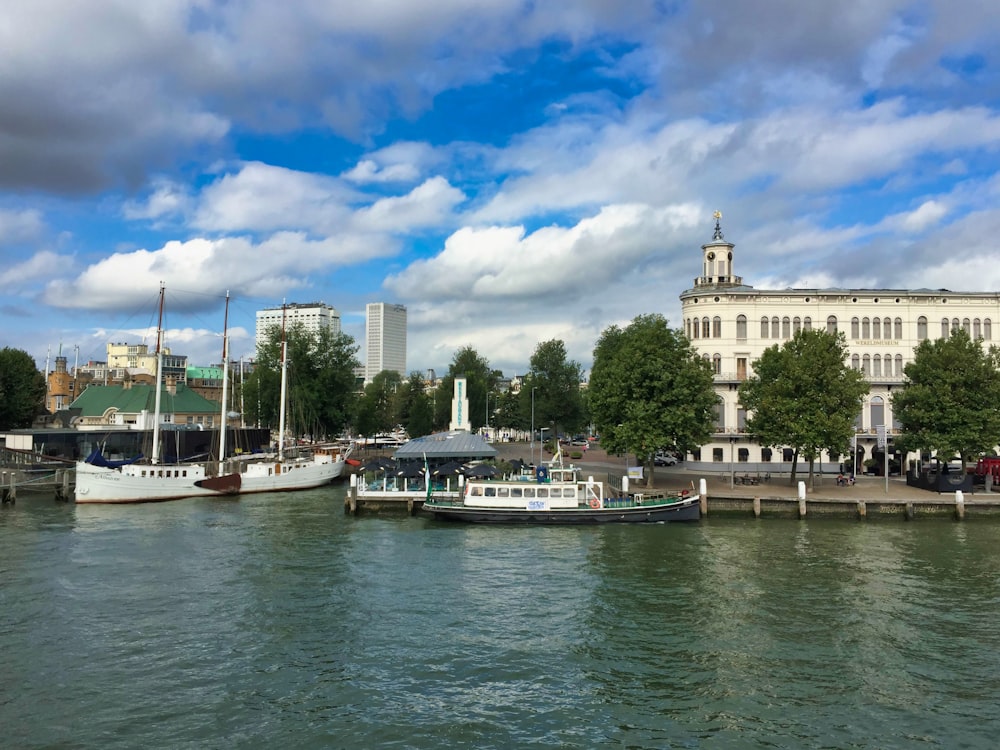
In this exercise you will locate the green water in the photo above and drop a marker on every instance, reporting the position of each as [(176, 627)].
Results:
[(276, 621)]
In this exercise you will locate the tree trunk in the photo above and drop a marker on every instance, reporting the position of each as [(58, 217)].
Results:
[(795, 465)]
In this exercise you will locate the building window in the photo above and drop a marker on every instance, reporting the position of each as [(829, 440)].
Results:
[(717, 455), (807, 324), (855, 328), (865, 329), (921, 328), (786, 328), (866, 365), (831, 324), (720, 416), (876, 328), (977, 329), (987, 330), (787, 454), (741, 419), (717, 327), (877, 366), (887, 328), (706, 328), (742, 455), (899, 364), (694, 328), (741, 326), (877, 412), (855, 362), (717, 364), (899, 328), (796, 325), (764, 328), (765, 455), (945, 329), (967, 326), (775, 327)]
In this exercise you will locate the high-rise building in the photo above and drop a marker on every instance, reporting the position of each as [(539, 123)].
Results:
[(385, 339), (312, 315)]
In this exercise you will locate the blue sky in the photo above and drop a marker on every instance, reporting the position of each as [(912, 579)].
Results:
[(512, 172)]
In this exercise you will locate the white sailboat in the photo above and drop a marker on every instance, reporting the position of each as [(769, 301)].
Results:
[(101, 481)]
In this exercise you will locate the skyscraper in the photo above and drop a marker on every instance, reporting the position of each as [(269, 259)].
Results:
[(385, 339), (312, 316)]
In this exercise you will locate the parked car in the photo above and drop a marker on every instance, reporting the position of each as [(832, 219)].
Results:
[(580, 440), (664, 459)]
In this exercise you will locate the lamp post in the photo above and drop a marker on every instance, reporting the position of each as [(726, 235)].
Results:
[(533, 422), (487, 415), (732, 463), (541, 443)]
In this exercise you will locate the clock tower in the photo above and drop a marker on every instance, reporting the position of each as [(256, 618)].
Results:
[(717, 260)]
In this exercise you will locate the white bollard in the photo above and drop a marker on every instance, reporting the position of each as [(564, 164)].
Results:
[(703, 487), (354, 480), (625, 484), (802, 490)]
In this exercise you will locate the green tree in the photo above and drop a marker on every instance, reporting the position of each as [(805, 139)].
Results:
[(414, 406), (378, 410), (479, 378), (22, 389), (321, 383), (649, 390), (555, 382), (950, 399), (804, 395)]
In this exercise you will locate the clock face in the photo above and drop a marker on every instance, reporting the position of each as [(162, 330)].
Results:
[(711, 256)]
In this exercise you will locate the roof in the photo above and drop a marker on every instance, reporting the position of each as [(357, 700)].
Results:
[(457, 444), (97, 399)]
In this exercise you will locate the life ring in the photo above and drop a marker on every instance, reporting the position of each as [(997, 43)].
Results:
[(595, 503)]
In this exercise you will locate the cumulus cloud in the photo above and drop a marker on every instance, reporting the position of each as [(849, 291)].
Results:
[(20, 226)]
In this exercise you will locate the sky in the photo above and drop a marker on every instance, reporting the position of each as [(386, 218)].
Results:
[(511, 172)]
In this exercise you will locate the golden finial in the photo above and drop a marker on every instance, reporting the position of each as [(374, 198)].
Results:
[(717, 215)]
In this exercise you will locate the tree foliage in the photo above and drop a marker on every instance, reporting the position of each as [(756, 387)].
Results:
[(22, 389), (555, 382), (321, 381), (649, 390), (377, 410), (950, 399), (479, 379), (804, 395), (414, 409)]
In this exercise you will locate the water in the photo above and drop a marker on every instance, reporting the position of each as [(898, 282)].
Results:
[(276, 621)]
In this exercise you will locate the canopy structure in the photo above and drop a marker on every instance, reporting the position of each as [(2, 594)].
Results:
[(444, 445)]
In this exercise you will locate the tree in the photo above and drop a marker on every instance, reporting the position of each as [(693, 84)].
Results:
[(804, 395), (414, 406), (650, 390), (377, 410), (479, 378), (950, 399), (22, 389), (321, 381), (555, 382)]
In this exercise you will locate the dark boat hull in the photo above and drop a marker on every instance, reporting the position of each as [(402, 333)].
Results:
[(687, 511)]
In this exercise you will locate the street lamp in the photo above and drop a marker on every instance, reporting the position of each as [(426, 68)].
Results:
[(541, 443), (532, 454), (487, 415), (732, 463)]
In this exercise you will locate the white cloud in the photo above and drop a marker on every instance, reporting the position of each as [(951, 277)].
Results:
[(20, 226), (44, 264), (427, 205)]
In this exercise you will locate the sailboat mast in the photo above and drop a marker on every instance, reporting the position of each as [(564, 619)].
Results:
[(156, 382), (225, 385), (284, 387)]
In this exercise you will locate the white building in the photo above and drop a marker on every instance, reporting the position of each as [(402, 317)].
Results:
[(385, 339), (731, 324), (311, 315)]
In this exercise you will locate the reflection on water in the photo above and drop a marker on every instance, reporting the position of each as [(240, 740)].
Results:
[(275, 620)]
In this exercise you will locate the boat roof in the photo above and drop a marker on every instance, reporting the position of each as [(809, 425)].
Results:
[(454, 444)]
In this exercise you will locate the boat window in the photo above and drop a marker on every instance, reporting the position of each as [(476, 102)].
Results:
[(515, 492), (543, 491), (491, 492), (503, 491), (477, 491), (529, 491), (143, 473)]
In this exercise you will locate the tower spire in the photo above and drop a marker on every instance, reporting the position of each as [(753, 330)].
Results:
[(718, 229)]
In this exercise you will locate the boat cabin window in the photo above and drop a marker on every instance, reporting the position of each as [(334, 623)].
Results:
[(543, 491), (491, 492), (515, 492), (477, 490), (503, 491), (529, 491)]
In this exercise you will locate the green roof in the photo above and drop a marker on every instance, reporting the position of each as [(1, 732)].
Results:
[(97, 399)]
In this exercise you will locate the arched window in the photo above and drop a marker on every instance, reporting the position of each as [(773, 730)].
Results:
[(775, 327), (717, 364), (807, 324), (694, 328), (866, 331), (717, 327), (921, 328), (765, 329), (977, 329), (954, 325), (899, 365), (831, 324), (796, 325), (706, 328), (877, 411), (741, 326), (887, 328), (987, 329), (877, 366), (786, 327), (945, 328), (898, 326), (855, 362), (866, 365), (855, 328), (720, 415), (876, 328), (967, 326)]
